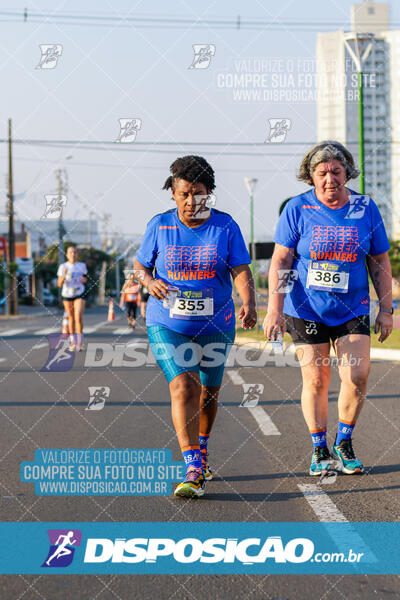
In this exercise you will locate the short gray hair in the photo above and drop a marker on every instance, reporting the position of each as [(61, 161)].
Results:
[(324, 152)]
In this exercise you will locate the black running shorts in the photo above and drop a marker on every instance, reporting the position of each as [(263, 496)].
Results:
[(304, 331), (131, 308), (83, 295)]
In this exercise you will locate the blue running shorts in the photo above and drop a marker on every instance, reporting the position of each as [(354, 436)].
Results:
[(176, 353)]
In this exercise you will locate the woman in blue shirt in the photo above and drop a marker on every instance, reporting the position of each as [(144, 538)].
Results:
[(190, 317), (326, 239)]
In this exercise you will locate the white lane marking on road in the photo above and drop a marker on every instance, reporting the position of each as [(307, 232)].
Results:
[(93, 328), (237, 379), (2, 359), (122, 330), (37, 346), (322, 505), (263, 420), (50, 330), (47, 331), (11, 332), (327, 512)]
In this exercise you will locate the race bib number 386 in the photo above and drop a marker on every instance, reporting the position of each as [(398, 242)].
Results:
[(327, 277), (193, 305)]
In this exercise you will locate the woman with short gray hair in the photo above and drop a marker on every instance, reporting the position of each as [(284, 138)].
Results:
[(322, 153), (326, 238)]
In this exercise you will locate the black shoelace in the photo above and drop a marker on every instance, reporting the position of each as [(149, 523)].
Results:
[(346, 447), (322, 453)]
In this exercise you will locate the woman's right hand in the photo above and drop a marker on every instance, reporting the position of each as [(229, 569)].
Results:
[(158, 288), (274, 323)]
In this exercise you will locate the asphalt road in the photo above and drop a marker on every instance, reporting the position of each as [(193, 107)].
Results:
[(260, 462)]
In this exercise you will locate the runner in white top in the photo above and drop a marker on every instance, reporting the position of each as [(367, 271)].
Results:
[(72, 276)]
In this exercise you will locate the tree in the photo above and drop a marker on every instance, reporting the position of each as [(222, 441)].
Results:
[(47, 266), (394, 256)]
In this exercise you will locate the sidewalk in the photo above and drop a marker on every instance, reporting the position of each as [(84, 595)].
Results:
[(390, 354), (31, 312)]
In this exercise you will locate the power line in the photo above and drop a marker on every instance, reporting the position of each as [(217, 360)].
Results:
[(138, 143), (148, 147), (166, 21), (174, 143), (126, 166)]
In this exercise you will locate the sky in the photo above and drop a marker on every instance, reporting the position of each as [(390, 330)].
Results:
[(108, 72)]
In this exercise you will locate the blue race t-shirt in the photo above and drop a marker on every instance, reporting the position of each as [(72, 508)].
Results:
[(331, 248), (197, 261)]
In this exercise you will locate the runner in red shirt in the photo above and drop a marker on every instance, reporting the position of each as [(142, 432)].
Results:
[(129, 296)]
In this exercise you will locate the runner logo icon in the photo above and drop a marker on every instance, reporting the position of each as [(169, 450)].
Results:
[(203, 54), (251, 394), (50, 55), (62, 547), (54, 206), (287, 278), (98, 397), (128, 130), (278, 130), (60, 358), (357, 205)]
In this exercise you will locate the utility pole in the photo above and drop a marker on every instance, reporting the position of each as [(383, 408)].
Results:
[(13, 303), (106, 220), (61, 231), (90, 242), (102, 279)]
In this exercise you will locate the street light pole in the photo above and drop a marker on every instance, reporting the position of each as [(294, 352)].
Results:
[(250, 185), (13, 303), (361, 131), (359, 46)]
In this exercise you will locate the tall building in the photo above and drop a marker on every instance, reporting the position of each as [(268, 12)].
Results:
[(337, 106)]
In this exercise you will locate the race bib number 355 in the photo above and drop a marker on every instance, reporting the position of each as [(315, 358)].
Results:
[(327, 277), (193, 305)]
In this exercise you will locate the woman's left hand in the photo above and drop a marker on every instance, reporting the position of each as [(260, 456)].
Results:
[(248, 316), (383, 324)]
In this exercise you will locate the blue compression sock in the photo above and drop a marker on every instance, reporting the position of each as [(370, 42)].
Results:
[(203, 439), (345, 431), (318, 437), (192, 457)]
